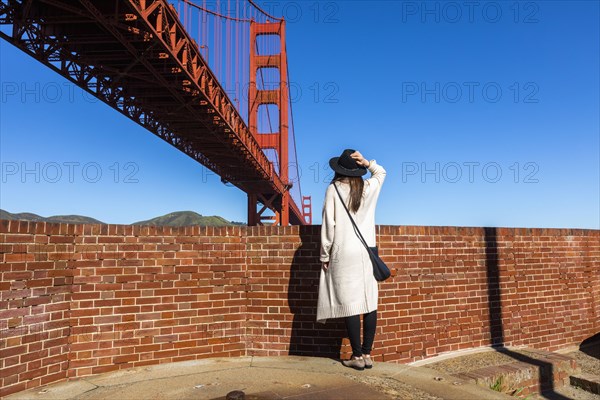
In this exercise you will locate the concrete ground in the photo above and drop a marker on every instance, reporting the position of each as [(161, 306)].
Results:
[(265, 378)]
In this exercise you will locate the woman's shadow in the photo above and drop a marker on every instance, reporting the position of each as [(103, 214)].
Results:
[(309, 338)]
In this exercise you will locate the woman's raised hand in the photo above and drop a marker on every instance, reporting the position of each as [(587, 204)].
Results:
[(360, 160)]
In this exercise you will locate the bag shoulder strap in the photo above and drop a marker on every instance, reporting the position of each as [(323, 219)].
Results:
[(362, 239)]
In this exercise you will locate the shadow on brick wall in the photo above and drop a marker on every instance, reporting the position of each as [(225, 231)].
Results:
[(309, 338), (546, 375)]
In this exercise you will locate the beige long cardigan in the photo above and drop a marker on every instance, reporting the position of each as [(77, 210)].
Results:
[(348, 286)]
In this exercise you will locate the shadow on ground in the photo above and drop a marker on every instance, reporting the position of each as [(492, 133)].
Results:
[(591, 346), (546, 383)]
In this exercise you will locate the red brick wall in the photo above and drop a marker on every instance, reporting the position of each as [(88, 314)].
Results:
[(85, 299)]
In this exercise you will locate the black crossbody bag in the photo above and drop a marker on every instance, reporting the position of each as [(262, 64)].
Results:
[(380, 271)]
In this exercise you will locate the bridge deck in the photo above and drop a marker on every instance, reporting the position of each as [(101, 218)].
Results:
[(137, 57)]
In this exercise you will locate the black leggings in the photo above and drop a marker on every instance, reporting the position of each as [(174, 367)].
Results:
[(353, 327)]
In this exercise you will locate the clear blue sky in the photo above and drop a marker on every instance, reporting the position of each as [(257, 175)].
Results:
[(504, 87)]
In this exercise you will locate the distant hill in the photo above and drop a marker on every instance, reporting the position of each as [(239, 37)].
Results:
[(65, 219), (187, 218), (179, 218)]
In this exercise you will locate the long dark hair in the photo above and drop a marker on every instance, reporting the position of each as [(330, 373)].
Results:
[(356, 189)]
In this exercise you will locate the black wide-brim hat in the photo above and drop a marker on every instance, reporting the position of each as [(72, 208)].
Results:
[(346, 165)]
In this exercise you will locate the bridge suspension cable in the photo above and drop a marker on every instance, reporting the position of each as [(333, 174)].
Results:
[(209, 78)]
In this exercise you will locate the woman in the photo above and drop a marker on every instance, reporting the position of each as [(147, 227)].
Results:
[(347, 287)]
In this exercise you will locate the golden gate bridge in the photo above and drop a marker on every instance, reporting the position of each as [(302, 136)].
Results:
[(209, 78)]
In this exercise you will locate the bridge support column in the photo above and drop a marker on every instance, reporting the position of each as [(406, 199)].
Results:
[(255, 215), (307, 209), (279, 97)]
